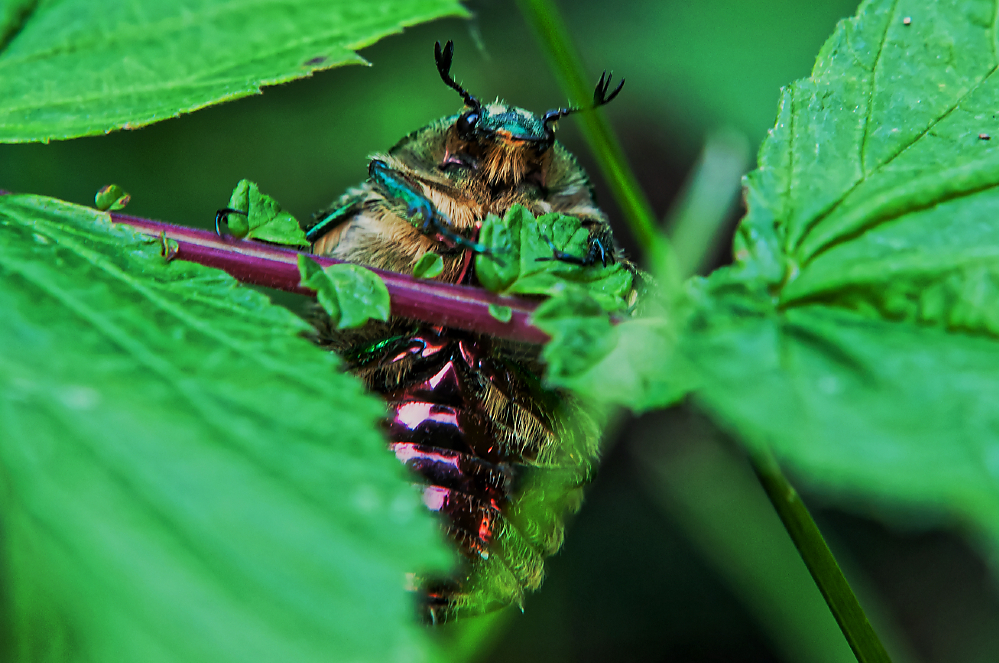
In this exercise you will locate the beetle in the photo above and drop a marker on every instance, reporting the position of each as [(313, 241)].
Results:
[(502, 456)]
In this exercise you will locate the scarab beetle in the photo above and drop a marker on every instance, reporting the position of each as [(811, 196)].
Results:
[(503, 457)]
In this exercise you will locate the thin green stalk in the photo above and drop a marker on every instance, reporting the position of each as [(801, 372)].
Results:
[(819, 560), (697, 216), (554, 37)]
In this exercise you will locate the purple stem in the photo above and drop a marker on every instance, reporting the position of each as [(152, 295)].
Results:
[(272, 266)]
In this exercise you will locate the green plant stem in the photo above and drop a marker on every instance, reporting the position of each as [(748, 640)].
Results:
[(819, 560), (696, 219), (544, 18)]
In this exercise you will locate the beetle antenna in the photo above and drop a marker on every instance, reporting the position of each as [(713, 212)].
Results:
[(443, 58), (600, 97)]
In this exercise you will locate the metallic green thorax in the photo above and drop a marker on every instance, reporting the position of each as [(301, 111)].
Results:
[(520, 124)]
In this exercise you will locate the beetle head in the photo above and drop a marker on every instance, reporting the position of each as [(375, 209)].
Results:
[(505, 144)]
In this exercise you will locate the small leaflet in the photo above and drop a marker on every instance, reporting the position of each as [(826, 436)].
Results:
[(169, 248), (350, 294), (428, 266), (111, 198), (263, 220), (502, 313), (520, 260), (582, 333)]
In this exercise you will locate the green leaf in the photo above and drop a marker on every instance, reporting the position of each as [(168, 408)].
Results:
[(428, 266), (67, 70), (885, 410), (12, 16), (350, 294), (111, 197), (263, 219), (520, 261), (858, 334), (185, 477), (587, 353), (631, 362), (581, 332), (501, 313)]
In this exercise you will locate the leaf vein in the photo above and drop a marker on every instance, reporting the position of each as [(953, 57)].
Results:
[(788, 205), (16, 24), (880, 167), (178, 313), (197, 398), (995, 34), (940, 119), (874, 84), (896, 215), (825, 214)]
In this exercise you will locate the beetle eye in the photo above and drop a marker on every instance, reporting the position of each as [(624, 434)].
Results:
[(466, 123)]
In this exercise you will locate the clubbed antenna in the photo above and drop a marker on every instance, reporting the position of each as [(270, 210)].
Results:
[(443, 58), (600, 97)]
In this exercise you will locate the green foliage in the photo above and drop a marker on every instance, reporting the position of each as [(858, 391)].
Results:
[(428, 266), (586, 350), (520, 261), (857, 333), (111, 197), (184, 476), (705, 65), (67, 69), (501, 313), (186, 479), (581, 332), (633, 363), (264, 218), (350, 294)]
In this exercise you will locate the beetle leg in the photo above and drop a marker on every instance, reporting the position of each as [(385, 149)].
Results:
[(222, 217), (329, 219), (433, 222), (596, 251), (436, 223), (559, 255)]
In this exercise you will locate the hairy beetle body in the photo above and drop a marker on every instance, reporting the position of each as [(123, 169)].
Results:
[(367, 226), (503, 457)]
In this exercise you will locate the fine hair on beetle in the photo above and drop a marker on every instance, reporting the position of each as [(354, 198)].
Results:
[(502, 457)]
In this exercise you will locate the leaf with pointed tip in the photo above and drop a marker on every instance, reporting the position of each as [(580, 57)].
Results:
[(858, 332), (184, 476), (71, 69), (521, 258), (428, 266), (350, 294), (262, 218), (501, 313)]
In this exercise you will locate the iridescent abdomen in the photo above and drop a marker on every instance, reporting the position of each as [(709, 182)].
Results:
[(469, 416)]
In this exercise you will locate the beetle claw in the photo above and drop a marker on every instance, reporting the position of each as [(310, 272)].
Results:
[(596, 252), (222, 217)]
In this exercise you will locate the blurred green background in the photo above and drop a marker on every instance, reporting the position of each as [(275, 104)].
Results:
[(676, 556)]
